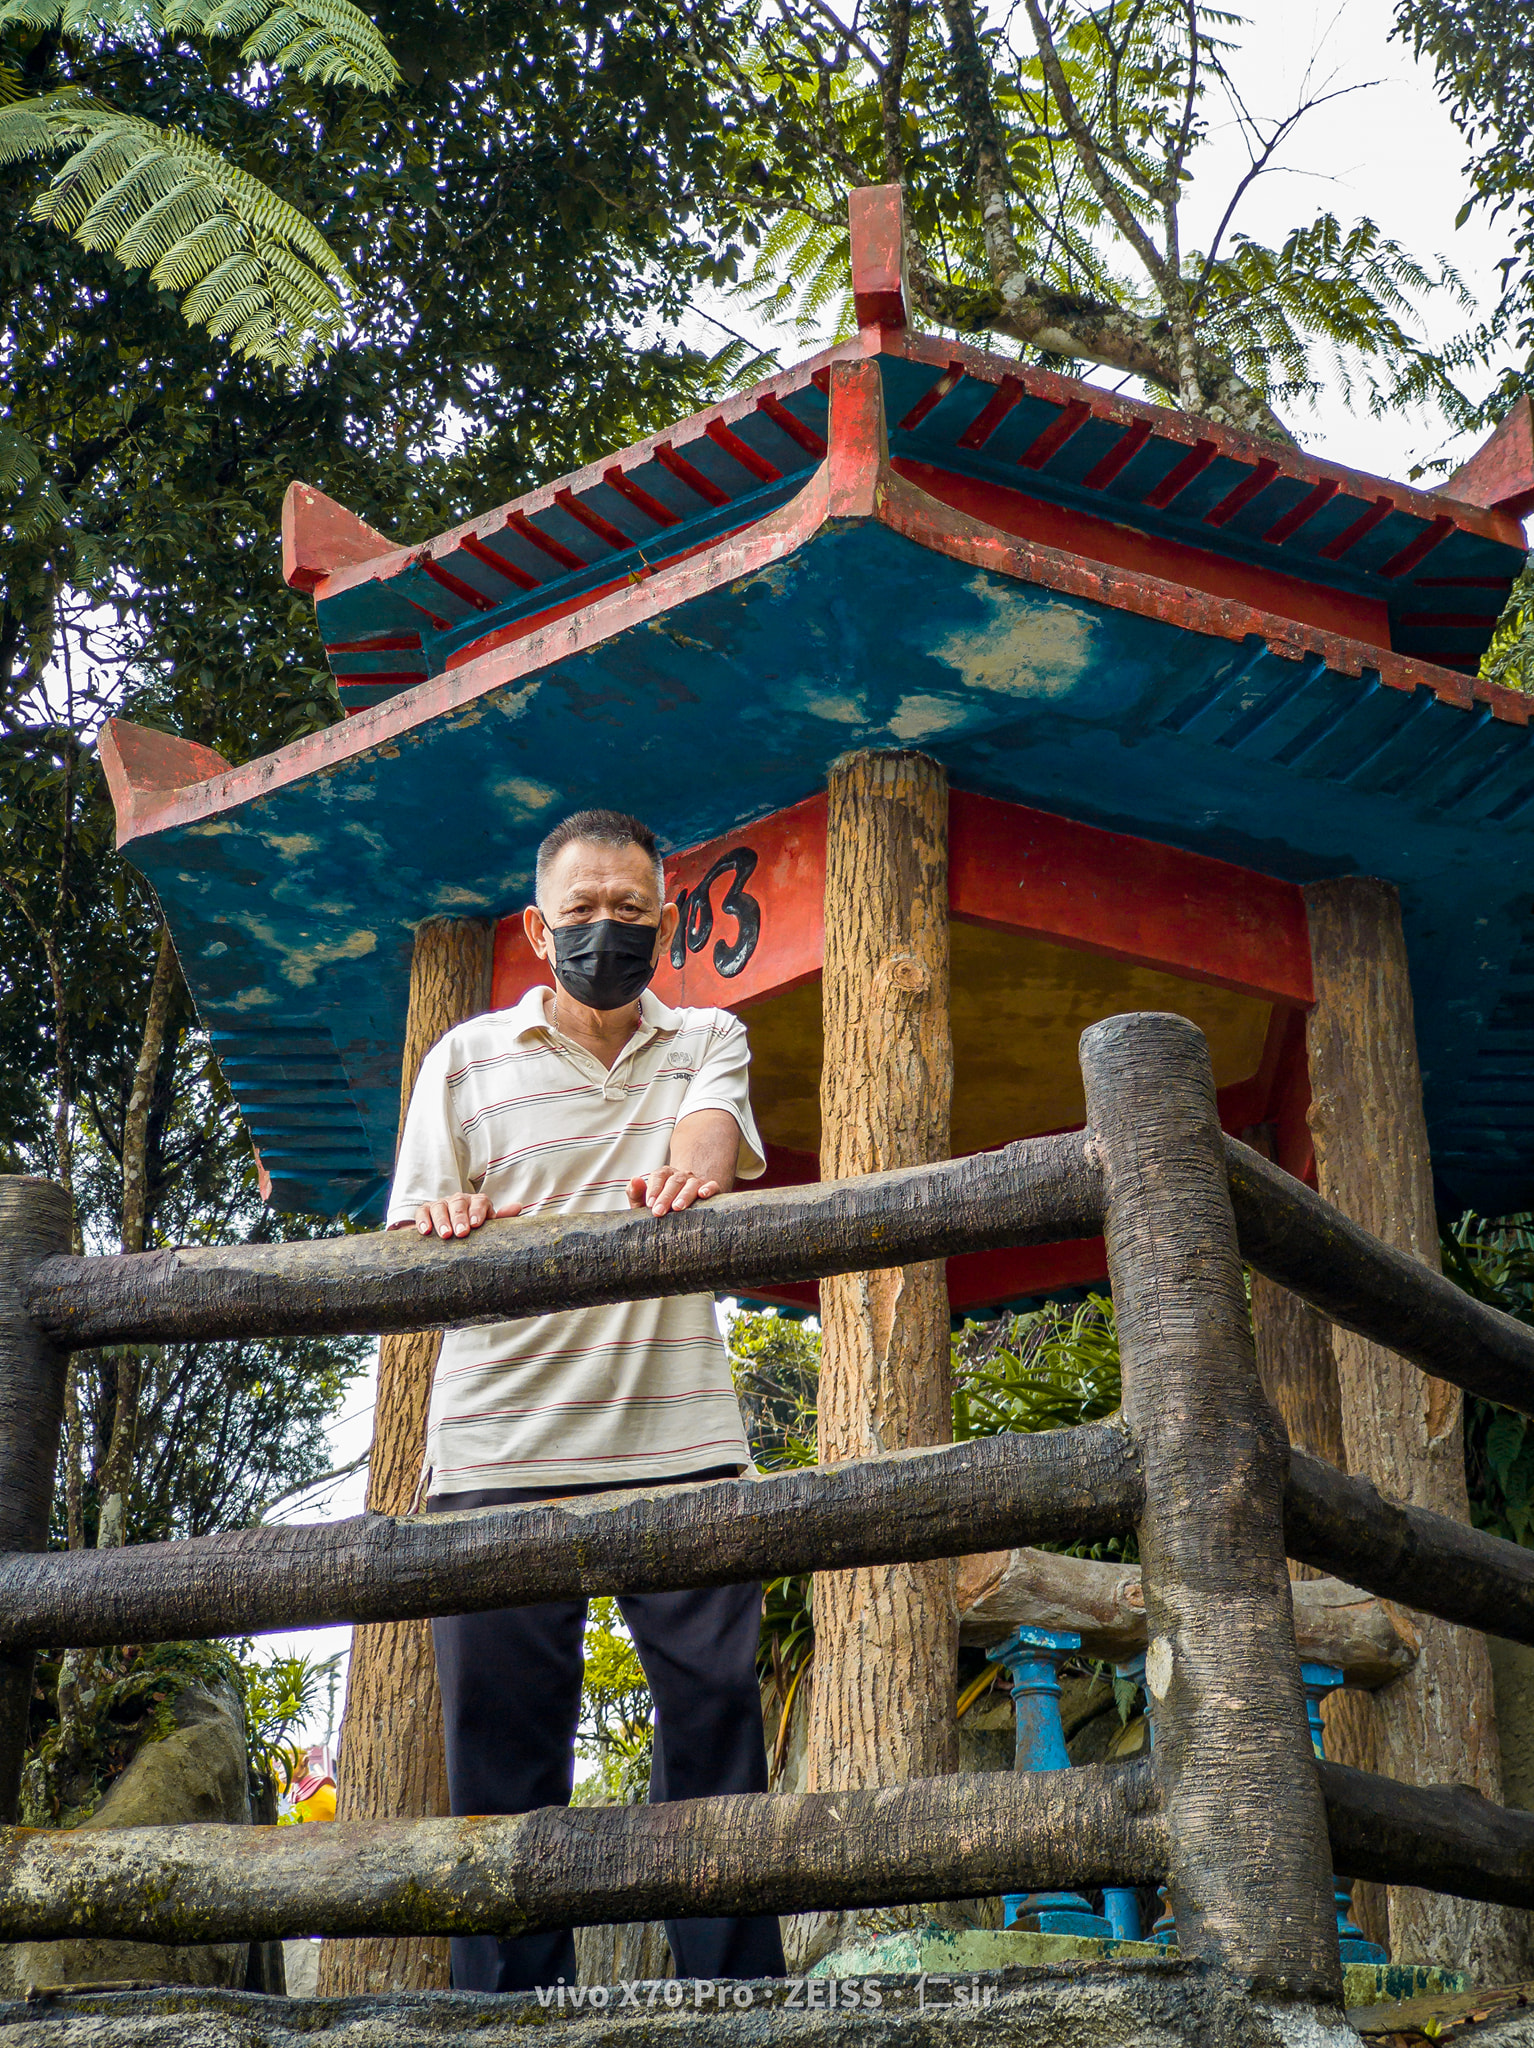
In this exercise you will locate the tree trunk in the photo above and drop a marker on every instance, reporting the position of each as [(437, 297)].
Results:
[(886, 1640), (1400, 1428), (391, 1764)]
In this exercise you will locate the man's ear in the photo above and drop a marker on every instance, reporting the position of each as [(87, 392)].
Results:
[(537, 932), (670, 918)]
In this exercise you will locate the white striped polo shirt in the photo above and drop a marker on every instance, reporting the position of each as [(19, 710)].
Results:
[(510, 1106)]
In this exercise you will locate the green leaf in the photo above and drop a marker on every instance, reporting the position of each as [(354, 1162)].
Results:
[(249, 265)]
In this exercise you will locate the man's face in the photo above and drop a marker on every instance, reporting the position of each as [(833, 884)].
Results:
[(586, 883)]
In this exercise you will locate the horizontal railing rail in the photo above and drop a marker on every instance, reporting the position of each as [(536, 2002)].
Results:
[(1294, 1237), (1062, 1487), (935, 1838), (1030, 1193), (1441, 1838), (1342, 1525), (1035, 1192)]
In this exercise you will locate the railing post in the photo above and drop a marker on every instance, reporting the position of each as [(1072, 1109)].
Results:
[(1319, 1680), (34, 1224), (1249, 1864), (1033, 1657)]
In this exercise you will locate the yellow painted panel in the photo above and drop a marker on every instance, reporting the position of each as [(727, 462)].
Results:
[(1019, 1006)]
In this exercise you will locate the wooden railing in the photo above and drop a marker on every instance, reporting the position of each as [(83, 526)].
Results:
[(1232, 1808)]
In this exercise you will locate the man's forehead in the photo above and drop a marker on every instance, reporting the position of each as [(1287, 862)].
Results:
[(586, 861)]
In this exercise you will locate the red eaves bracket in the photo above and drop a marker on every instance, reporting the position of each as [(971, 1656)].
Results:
[(876, 218), (320, 536), (1499, 477)]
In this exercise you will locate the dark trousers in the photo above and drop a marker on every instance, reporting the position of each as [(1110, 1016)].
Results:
[(511, 1693)]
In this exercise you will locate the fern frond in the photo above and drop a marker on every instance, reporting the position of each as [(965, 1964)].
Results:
[(248, 264), (20, 466), (328, 42)]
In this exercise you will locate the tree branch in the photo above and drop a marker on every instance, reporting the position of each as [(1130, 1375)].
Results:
[(1086, 149)]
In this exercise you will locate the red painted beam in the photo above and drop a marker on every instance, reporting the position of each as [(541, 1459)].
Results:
[(1149, 554), (1022, 870)]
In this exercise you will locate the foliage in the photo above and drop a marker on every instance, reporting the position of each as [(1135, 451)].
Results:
[(157, 197), (1509, 660), (280, 1695), (1049, 1368), (1045, 150), (70, 1768), (1483, 54), (1494, 1261), (617, 1732)]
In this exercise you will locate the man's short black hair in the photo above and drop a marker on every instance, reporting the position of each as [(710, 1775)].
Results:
[(598, 828)]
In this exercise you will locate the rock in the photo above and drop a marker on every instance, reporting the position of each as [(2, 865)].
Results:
[(198, 1772), (1104, 2005)]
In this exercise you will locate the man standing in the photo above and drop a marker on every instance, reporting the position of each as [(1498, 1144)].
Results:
[(588, 1096)]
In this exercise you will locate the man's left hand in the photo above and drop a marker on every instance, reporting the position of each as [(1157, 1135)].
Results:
[(668, 1188)]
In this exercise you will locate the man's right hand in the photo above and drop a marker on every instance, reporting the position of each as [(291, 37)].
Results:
[(458, 1215)]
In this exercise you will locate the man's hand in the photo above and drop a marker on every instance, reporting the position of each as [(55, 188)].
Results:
[(669, 1187), (457, 1216)]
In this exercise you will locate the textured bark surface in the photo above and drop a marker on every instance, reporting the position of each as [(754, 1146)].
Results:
[(886, 1639), (1404, 1431), (1067, 1485), (1249, 1871), (1105, 1605), (1297, 1370), (1446, 1837), (1413, 1556), (1035, 1192), (950, 1837), (1299, 1376), (35, 1221), (392, 1763), (1387, 1297)]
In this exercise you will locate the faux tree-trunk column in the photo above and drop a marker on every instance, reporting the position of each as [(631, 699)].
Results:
[(886, 1640), (1248, 1868), (1435, 1724), (1299, 1376), (34, 1224), (392, 1763)]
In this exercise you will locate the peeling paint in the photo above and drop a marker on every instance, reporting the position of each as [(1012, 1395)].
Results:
[(916, 718), (522, 797), (1026, 650)]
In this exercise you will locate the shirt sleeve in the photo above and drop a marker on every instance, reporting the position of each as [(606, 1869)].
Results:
[(722, 1082), (433, 1160)]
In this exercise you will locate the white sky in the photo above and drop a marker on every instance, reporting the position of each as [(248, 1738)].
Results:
[(1389, 151)]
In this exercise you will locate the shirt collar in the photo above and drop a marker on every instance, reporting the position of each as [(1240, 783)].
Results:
[(534, 1013)]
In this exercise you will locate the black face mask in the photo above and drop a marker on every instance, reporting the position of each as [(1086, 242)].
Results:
[(605, 964)]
